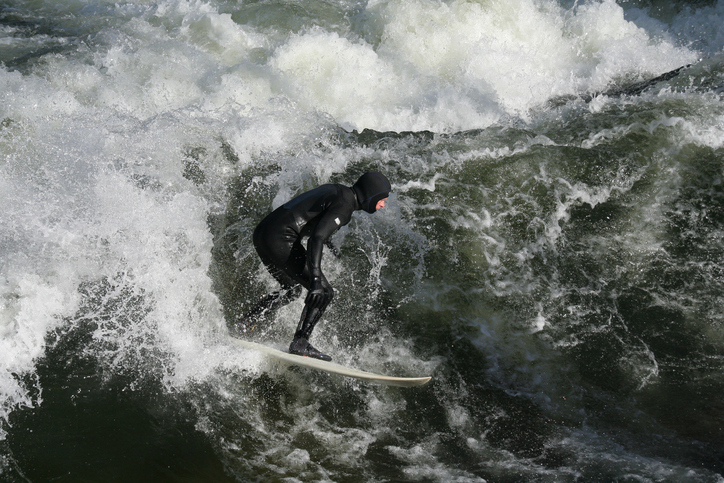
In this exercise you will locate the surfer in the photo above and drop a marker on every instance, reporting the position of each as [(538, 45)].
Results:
[(316, 214)]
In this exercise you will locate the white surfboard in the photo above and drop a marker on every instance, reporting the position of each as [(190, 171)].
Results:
[(331, 366)]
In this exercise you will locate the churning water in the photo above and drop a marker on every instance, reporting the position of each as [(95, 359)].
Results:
[(552, 252)]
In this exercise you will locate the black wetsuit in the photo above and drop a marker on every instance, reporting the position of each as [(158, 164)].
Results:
[(316, 214)]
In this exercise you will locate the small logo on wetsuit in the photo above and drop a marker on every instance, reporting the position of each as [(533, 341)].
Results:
[(336, 220)]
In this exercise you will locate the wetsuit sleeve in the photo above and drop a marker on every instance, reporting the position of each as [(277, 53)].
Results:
[(328, 224)]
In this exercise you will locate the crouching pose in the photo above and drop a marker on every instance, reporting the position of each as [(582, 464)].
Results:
[(316, 214)]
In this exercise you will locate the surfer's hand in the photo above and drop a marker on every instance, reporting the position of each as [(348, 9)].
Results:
[(320, 294)]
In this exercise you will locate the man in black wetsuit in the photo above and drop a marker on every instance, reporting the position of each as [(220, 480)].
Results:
[(316, 214)]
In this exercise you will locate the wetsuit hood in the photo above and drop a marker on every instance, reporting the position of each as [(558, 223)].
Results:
[(370, 189)]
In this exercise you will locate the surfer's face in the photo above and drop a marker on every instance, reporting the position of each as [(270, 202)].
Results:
[(380, 204)]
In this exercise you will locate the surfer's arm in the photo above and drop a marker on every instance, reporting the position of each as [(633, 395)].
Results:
[(320, 292), (327, 226)]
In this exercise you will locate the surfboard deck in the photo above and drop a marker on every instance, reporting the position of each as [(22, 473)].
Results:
[(331, 367)]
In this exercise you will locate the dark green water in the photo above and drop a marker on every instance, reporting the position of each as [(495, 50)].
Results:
[(550, 255)]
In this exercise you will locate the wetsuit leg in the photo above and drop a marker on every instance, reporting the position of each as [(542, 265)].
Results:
[(282, 253), (285, 259), (310, 317), (273, 302)]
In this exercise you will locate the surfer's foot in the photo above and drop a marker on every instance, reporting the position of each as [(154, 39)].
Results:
[(302, 347)]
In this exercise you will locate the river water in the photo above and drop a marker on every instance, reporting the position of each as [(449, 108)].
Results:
[(551, 252)]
